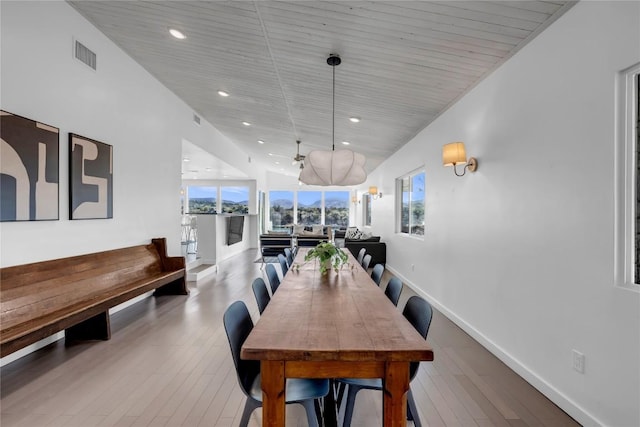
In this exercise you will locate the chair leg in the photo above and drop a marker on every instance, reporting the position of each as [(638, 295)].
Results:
[(412, 410), (351, 400), (317, 404), (309, 407), (249, 406), (340, 393)]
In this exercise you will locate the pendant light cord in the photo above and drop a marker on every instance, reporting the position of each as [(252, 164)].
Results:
[(333, 112)]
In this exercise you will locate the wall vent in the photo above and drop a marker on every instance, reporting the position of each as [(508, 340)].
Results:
[(85, 55), (196, 119)]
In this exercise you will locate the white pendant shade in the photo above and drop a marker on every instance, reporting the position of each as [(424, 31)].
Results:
[(340, 167)]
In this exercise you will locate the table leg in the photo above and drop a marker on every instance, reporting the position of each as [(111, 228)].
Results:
[(396, 385), (273, 393)]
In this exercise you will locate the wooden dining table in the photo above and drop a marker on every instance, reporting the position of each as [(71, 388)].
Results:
[(335, 325)]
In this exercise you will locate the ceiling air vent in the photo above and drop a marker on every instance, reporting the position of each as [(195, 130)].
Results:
[(84, 54), (196, 119)]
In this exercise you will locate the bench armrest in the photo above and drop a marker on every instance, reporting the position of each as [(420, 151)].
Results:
[(168, 263)]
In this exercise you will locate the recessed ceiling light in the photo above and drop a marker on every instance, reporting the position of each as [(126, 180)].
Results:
[(177, 34), (246, 123), (186, 159), (277, 163), (271, 154), (208, 169), (223, 93), (260, 141), (225, 176), (345, 143), (354, 119)]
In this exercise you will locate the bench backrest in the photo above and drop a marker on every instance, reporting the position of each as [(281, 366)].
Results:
[(38, 289)]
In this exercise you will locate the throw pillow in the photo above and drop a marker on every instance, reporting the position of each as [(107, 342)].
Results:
[(298, 229), (353, 233), (316, 229)]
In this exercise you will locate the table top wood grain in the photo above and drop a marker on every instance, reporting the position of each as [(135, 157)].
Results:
[(340, 316)]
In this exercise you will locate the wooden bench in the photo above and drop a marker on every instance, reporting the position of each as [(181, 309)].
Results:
[(74, 294)]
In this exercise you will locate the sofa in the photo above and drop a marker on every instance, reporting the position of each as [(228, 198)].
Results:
[(373, 246), (308, 236)]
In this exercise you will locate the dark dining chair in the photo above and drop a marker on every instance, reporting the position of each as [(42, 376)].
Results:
[(366, 261), (238, 325), (418, 312), (283, 264), (361, 255), (288, 254), (272, 276), (261, 293), (376, 274), (393, 290)]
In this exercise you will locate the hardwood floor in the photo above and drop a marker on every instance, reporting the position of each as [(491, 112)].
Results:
[(168, 364)]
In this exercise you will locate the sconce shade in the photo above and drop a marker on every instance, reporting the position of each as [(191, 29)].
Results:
[(373, 190), (340, 167), (453, 153)]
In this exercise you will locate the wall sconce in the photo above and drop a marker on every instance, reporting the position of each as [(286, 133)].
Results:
[(354, 199), (373, 192), (454, 153)]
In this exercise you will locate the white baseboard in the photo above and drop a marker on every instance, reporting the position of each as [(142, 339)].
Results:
[(564, 402)]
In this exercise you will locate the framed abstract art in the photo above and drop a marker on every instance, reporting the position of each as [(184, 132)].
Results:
[(29, 169), (90, 178)]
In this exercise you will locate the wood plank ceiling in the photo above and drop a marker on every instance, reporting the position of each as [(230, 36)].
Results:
[(403, 64)]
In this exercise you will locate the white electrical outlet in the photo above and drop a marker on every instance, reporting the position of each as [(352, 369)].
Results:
[(578, 361)]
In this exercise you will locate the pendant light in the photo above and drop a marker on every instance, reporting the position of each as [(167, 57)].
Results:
[(335, 167)]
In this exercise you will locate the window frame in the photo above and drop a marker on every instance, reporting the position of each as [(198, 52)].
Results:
[(627, 178), (366, 209), (399, 195)]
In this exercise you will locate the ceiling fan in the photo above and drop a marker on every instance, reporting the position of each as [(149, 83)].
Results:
[(299, 158)]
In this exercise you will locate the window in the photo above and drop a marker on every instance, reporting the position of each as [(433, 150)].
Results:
[(202, 199), (281, 210), (336, 208), (366, 209), (309, 207), (627, 254), (411, 203), (636, 170), (235, 200)]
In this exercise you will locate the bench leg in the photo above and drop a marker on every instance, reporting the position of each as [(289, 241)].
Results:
[(94, 328), (177, 287)]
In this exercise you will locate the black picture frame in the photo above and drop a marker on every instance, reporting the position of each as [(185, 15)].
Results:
[(30, 169), (90, 178)]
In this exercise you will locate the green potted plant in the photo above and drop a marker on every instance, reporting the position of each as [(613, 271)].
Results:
[(328, 256)]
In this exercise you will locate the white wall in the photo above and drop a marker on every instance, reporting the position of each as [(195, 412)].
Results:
[(120, 104), (520, 253)]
